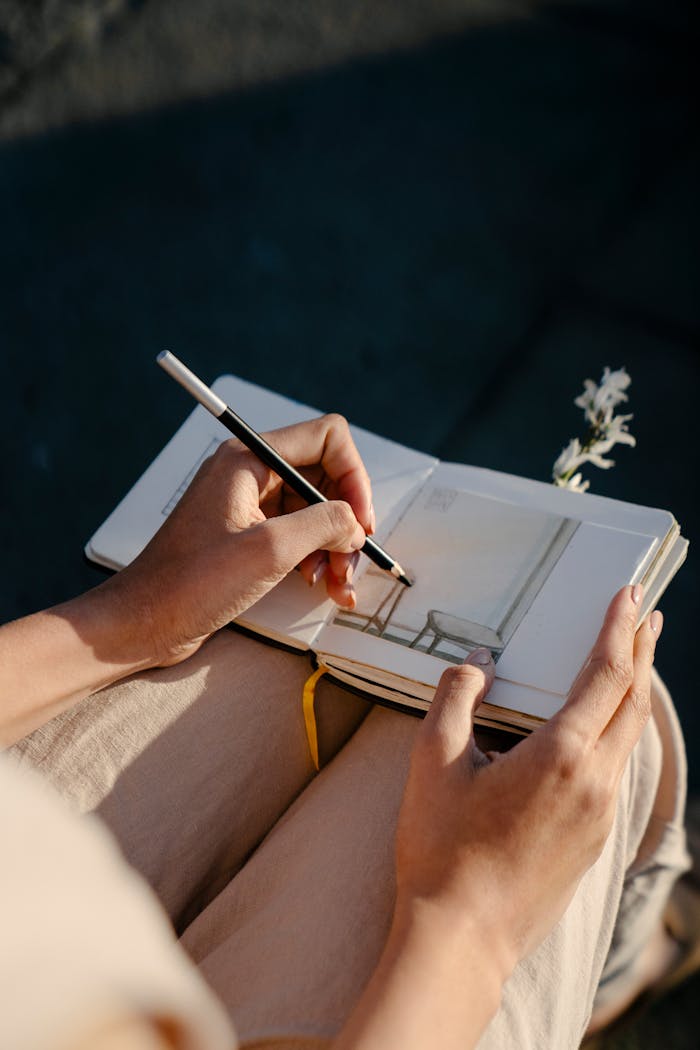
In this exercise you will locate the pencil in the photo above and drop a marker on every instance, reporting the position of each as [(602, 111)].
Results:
[(265, 452)]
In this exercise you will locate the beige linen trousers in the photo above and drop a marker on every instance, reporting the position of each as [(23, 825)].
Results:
[(279, 881)]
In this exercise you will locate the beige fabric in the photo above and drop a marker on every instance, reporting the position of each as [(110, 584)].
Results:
[(83, 938), (190, 766), (660, 857), (193, 765), (290, 943)]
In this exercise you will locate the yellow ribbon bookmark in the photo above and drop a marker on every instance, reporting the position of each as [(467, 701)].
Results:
[(308, 697)]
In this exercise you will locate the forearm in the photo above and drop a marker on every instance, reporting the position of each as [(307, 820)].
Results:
[(438, 984), (51, 660)]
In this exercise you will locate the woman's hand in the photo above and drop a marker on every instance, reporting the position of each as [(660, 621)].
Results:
[(491, 848), (507, 837), (238, 531)]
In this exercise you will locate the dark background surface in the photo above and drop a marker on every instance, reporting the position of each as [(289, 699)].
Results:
[(437, 218)]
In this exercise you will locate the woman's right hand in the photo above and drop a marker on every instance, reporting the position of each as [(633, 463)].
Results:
[(491, 848), (504, 839)]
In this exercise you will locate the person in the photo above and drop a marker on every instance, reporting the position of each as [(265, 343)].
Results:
[(527, 885)]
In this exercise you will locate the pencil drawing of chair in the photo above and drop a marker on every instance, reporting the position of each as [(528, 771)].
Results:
[(465, 634), (441, 627)]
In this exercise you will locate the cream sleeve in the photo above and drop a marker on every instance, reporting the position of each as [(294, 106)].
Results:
[(82, 937)]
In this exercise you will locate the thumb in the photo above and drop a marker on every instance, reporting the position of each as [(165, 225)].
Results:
[(461, 689), (328, 526)]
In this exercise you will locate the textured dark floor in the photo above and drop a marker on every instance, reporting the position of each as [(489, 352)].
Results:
[(438, 223)]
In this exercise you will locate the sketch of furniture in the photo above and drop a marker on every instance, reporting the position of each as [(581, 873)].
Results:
[(376, 621), (444, 633), (463, 633), (441, 627)]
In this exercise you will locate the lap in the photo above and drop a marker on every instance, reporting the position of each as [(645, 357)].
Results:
[(191, 765), (289, 944)]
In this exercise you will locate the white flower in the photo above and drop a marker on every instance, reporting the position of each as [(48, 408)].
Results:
[(598, 402), (604, 430), (616, 433), (569, 459), (594, 457)]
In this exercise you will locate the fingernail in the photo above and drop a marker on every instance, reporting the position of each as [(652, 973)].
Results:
[(347, 600), (637, 592), (656, 622), (317, 575), (372, 520), (481, 657), (350, 567), (319, 570)]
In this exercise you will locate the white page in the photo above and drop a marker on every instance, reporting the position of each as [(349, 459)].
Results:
[(581, 506), (292, 611), (548, 648)]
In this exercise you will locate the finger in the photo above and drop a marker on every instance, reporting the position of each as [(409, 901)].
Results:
[(605, 678), (313, 567), (327, 440), (626, 725), (339, 578), (448, 725), (286, 541)]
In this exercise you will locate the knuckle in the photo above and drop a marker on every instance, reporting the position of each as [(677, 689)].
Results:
[(335, 421), (228, 457), (618, 671), (567, 753), (461, 676), (230, 447), (341, 518), (629, 618), (639, 700)]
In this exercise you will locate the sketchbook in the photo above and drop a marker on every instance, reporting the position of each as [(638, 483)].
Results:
[(519, 566)]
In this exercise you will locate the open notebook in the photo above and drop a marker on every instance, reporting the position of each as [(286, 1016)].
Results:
[(522, 567)]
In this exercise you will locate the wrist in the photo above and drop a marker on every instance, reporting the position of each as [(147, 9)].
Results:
[(463, 937), (51, 660), (117, 626), (439, 977)]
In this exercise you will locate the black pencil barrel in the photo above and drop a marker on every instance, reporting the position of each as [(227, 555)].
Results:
[(272, 459), (377, 554)]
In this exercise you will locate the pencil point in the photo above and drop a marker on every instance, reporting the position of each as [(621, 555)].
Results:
[(405, 579)]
